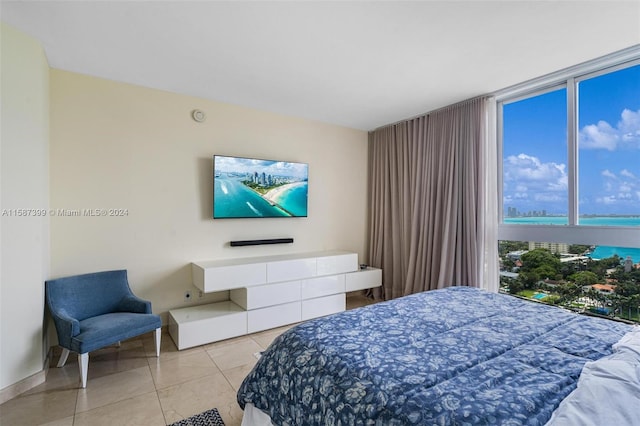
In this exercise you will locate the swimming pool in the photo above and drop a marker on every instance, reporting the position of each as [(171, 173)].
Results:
[(539, 296)]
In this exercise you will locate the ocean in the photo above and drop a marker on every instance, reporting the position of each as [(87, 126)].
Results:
[(232, 199), (600, 252), (294, 199), (585, 221)]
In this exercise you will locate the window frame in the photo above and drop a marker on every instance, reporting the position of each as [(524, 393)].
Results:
[(573, 233)]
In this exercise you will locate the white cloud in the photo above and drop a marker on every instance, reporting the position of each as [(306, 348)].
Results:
[(604, 136), (625, 188), (627, 173), (630, 126), (620, 189), (560, 185), (621, 197), (534, 181), (547, 197), (610, 199), (599, 136), (528, 171)]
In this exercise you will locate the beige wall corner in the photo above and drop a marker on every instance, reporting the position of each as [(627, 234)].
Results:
[(24, 201)]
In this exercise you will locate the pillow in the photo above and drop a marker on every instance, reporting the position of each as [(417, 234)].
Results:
[(630, 343), (608, 391)]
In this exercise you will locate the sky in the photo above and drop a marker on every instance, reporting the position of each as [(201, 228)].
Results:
[(251, 165), (535, 162)]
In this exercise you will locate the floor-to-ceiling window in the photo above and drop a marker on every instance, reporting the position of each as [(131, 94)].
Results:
[(569, 181)]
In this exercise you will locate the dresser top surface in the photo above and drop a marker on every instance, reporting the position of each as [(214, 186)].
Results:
[(269, 259)]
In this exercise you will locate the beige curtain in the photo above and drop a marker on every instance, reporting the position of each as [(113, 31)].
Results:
[(426, 207)]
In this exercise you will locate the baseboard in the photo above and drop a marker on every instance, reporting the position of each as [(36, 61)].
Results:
[(38, 378), (27, 383)]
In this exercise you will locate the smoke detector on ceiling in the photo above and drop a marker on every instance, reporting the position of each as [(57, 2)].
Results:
[(198, 115)]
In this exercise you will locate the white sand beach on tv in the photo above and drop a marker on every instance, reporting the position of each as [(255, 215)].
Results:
[(274, 194)]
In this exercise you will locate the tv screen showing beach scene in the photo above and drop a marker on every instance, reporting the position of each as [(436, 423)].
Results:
[(253, 188)]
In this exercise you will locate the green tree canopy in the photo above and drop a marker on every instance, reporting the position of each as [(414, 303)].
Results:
[(546, 271), (578, 248), (538, 258), (583, 278), (627, 288), (611, 262), (506, 246), (528, 279)]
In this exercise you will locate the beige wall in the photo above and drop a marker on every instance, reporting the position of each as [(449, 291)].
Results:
[(24, 172), (115, 145)]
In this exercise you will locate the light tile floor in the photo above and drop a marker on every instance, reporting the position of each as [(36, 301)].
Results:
[(130, 386)]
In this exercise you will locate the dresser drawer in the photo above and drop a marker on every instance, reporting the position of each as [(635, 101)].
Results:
[(266, 295), (363, 279), (322, 306), (322, 286), (202, 324), (337, 264), (291, 269), (273, 316)]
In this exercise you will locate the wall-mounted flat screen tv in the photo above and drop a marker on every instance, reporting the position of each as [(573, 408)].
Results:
[(253, 188)]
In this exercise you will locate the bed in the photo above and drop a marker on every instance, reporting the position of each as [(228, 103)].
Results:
[(445, 357)]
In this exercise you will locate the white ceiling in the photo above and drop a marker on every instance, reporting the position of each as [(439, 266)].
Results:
[(360, 64)]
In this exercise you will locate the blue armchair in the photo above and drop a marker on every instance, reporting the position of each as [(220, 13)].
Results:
[(95, 310)]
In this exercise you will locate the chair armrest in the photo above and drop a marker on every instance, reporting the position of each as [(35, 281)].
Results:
[(131, 303), (66, 326)]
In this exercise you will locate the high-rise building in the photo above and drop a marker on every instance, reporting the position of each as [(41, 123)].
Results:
[(628, 264), (552, 247)]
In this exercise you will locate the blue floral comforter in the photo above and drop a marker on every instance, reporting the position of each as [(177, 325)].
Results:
[(457, 356)]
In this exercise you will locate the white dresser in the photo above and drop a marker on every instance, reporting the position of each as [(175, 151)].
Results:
[(268, 292)]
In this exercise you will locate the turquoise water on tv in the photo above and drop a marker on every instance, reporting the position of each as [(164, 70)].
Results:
[(600, 252), (233, 199), (294, 199)]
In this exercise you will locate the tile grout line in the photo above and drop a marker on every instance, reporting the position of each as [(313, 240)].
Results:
[(155, 388), (219, 369)]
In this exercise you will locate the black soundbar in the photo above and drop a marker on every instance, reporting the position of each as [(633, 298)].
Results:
[(260, 242)]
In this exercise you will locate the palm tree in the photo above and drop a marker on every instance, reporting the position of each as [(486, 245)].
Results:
[(593, 295), (635, 302)]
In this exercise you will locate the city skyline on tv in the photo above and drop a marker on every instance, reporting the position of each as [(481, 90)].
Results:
[(254, 188)]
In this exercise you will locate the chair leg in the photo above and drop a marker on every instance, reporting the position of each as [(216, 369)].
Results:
[(158, 342), (83, 365), (63, 357)]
